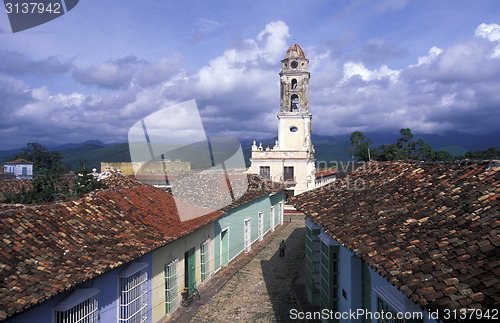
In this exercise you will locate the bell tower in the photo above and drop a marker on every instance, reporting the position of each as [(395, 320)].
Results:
[(294, 78), (294, 132), (291, 159)]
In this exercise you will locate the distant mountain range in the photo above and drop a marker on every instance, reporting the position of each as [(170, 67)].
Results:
[(328, 148), (91, 151)]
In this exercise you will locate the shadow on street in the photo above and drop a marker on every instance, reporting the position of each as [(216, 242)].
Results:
[(281, 273)]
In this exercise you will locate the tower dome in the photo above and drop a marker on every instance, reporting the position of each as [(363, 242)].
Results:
[(295, 52)]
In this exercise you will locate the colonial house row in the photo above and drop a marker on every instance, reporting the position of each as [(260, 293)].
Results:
[(418, 239), (121, 254)]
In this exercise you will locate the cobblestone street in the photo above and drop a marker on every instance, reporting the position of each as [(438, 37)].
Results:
[(261, 291)]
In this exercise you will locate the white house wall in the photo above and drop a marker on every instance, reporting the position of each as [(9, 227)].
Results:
[(176, 250)]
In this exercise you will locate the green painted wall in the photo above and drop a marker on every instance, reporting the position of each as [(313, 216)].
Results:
[(234, 220), (348, 284), (275, 199), (312, 264), (329, 277)]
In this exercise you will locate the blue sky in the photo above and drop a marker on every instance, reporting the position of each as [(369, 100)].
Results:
[(433, 66)]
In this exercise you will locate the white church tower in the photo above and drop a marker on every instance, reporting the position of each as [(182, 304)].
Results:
[(291, 159)]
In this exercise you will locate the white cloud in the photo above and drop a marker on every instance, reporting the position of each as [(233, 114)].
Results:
[(246, 66), (450, 88), (431, 56), (358, 69), (275, 37), (488, 31), (113, 74), (492, 33), (242, 84), (159, 71)]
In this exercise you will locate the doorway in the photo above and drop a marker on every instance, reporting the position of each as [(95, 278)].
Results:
[(224, 243), (189, 270), (289, 194)]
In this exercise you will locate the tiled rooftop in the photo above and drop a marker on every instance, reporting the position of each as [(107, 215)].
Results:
[(257, 187), (46, 249), (211, 190), (117, 181), (326, 172), (14, 186), (19, 161), (431, 229)]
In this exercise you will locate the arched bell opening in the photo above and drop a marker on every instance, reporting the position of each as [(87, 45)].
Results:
[(294, 103)]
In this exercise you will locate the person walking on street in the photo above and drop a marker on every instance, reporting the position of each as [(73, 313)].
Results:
[(282, 248)]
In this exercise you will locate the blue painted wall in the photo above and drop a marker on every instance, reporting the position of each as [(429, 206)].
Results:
[(346, 277), (107, 284), (351, 287)]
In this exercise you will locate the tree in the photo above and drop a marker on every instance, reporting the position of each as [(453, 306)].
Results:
[(422, 151), (389, 152), (406, 145), (42, 158), (442, 155), (407, 148), (404, 148), (52, 185), (85, 182), (47, 187), (361, 146), (490, 153)]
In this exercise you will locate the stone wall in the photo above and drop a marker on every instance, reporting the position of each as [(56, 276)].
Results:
[(156, 167)]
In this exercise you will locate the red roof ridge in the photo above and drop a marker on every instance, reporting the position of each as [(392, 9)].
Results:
[(326, 172)]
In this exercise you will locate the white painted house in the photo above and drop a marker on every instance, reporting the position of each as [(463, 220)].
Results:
[(21, 168)]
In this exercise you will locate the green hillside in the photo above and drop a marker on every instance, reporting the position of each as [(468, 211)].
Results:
[(93, 155), (328, 149), (455, 150)]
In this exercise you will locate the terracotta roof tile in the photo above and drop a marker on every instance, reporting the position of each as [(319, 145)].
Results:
[(117, 181), (110, 233), (431, 229), (45, 249)]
